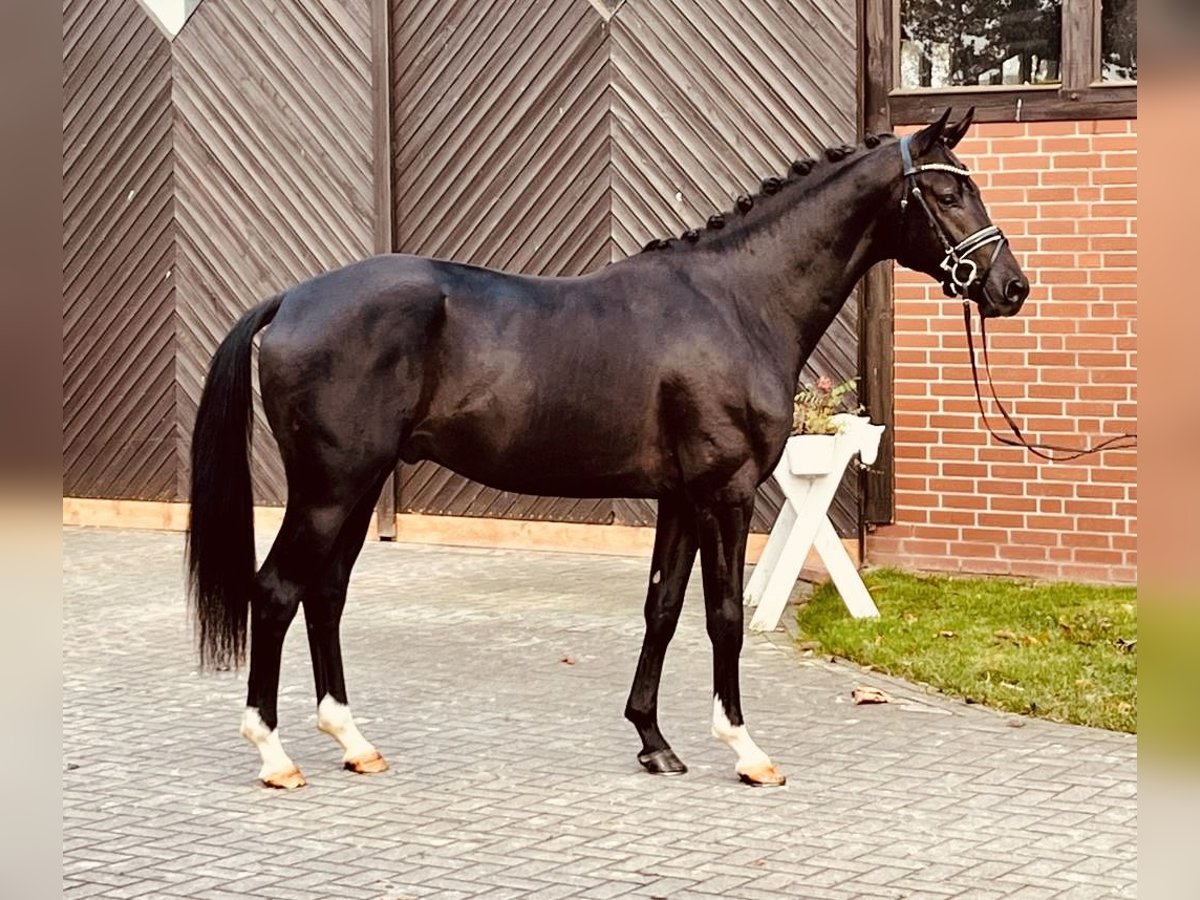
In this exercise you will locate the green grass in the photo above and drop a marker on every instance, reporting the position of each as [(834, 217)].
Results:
[(1066, 652)]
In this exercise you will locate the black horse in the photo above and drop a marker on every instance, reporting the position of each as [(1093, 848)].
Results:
[(667, 375)]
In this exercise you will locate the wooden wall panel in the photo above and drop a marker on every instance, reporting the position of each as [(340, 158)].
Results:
[(273, 162), (118, 252)]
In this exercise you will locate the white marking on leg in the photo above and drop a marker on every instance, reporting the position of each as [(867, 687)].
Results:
[(274, 760), (738, 738), (334, 719), (657, 577)]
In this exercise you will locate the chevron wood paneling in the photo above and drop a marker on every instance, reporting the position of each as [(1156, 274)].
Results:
[(273, 168), (537, 137), (118, 251)]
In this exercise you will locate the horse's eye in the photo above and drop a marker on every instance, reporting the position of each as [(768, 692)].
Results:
[(948, 199)]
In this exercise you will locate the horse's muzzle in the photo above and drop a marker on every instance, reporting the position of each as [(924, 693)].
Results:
[(1016, 290)]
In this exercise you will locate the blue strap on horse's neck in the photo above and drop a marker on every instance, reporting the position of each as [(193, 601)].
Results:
[(906, 155)]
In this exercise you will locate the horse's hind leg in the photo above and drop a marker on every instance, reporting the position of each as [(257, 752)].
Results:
[(295, 564), (322, 614), (674, 553)]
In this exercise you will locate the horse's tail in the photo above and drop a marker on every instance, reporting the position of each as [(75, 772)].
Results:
[(220, 545)]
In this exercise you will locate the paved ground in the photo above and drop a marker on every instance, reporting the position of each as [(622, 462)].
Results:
[(513, 773)]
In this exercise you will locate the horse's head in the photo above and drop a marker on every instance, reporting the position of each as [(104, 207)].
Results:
[(945, 231)]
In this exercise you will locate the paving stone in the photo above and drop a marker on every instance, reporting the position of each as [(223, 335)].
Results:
[(514, 774)]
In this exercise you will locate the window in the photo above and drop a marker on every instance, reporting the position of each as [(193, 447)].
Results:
[(1014, 60), (1118, 40), (994, 42)]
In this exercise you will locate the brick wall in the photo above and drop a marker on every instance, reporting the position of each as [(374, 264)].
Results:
[(1066, 195)]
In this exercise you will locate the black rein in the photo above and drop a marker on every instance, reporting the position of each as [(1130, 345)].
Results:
[(1124, 441)]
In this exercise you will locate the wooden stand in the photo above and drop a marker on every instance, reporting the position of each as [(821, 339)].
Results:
[(803, 523)]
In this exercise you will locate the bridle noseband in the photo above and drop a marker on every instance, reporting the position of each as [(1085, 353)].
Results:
[(961, 271)]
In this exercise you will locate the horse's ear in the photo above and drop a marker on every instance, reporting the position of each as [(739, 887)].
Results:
[(955, 133), (925, 139)]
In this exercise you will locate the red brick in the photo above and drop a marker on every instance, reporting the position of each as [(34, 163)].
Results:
[(1093, 224), (1086, 293), (1012, 504), (1086, 573), (985, 535), (1096, 523), (1016, 488), (1041, 389), (929, 548), (941, 451), (1035, 570), (1113, 176), (976, 550), (1114, 210), (1066, 176), (1076, 161), (1125, 242), (1051, 523), (966, 423), (1086, 539), (1103, 392), (1034, 537), (1001, 520), (1120, 192), (965, 470), (999, 130), (1079, 144), (1014, 472), (1070, 210), (1051, 359), (1048, 489), (943, 525), (1026, 552), (1108, 143), (961, 501)]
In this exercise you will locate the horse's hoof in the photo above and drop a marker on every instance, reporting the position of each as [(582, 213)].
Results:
[(662, 762), (287, 781), (367, 764), (763, 775)]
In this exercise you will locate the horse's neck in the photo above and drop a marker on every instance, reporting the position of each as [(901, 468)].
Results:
[(798, 271)]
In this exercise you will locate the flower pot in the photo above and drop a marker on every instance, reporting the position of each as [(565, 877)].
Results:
[(810, 454)]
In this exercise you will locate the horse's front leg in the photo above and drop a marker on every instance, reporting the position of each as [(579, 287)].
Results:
[(674, 554), (723, 529)]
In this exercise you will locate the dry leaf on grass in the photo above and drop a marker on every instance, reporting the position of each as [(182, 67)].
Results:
[(863, 695), (946, 634)]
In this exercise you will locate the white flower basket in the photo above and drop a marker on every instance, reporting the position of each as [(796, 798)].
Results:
[(811, 454)]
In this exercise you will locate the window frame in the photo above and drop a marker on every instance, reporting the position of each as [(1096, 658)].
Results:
[(1082, 95)]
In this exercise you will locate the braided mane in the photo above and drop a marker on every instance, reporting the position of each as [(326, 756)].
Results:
[(770, 185)]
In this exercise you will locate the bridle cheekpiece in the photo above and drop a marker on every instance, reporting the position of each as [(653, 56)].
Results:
[(960, 270)]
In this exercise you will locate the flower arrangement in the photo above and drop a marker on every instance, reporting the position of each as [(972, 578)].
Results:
[(815, 406)]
